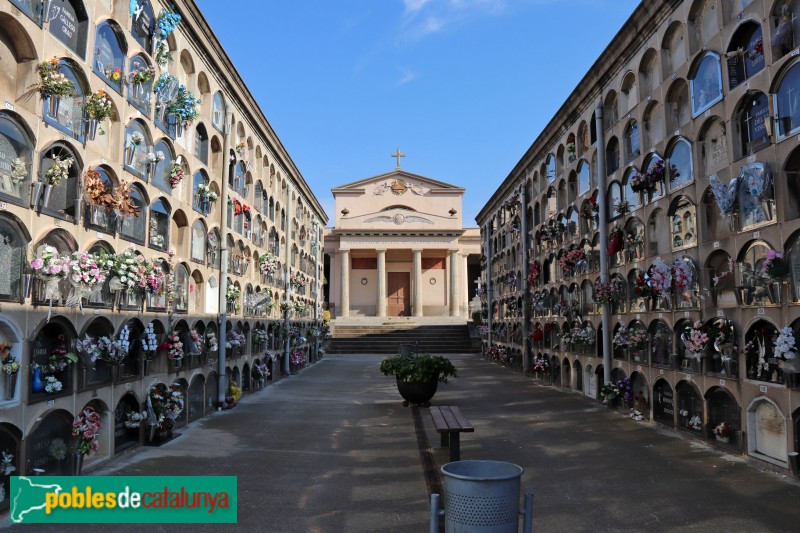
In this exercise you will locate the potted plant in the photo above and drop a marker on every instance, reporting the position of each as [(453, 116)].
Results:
[(418, 375)]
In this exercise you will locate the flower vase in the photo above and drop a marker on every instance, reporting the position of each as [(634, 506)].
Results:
[(78, 209), (48, 190), (130, 151), (743, 295), (77, 463), (775, 292), (204, 205), (36, 383), (26, 289), (53, 104), (146, 369), (10, 385), (138, 90), (91, 128), (723, 439), (36, 192)]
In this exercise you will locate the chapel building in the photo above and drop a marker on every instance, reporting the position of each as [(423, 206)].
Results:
[(399, 251)]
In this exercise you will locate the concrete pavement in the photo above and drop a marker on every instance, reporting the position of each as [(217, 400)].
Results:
[(333, 450)]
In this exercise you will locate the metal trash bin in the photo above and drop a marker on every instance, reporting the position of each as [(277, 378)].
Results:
[(481, 496)]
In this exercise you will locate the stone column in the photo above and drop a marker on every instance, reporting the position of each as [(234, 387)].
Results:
[(381, 282), (417, 275), (454, 299), (344, 301), (465, 287)]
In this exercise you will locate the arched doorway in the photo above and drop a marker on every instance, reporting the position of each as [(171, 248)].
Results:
[(766, 432)]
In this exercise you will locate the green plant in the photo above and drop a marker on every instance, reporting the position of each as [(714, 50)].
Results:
[(418, 368), (477, 318)]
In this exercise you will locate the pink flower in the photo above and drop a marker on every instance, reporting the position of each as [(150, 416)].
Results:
[(37, 263)]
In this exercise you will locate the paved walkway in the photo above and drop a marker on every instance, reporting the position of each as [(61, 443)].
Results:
[(333, 450)]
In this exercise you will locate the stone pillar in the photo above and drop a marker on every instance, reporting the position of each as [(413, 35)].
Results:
[(344, 301), (454, 299), (465, 287), (417, 281), (381, 282)]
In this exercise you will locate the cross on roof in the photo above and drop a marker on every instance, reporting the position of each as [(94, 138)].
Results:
[(397, 155)]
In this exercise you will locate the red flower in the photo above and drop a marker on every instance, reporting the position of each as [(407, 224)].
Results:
[(237, 207)]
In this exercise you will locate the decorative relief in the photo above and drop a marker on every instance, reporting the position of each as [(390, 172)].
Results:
[(399, 187), (399, 219)]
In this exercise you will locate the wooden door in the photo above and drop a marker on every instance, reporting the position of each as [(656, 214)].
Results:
[(399, 292)]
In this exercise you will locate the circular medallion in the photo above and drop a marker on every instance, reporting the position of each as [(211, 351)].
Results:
[(398, 219)]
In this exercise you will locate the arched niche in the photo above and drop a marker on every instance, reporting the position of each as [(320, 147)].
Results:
[(126, 431), (48, 443)]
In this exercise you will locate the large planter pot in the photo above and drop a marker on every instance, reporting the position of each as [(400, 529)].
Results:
[(417, 392)]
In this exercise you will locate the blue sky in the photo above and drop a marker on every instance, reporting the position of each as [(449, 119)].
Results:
[(462, 87)]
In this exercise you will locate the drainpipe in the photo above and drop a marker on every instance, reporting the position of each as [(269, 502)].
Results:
[(489, 284), (287, 286), (523, 228), (223, 262), (602, 200)]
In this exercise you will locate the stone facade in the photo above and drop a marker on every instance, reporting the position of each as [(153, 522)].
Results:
[(398, 249), (173, 170), (697, 146)]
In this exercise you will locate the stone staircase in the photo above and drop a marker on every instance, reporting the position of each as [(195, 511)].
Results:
[(387, 338)]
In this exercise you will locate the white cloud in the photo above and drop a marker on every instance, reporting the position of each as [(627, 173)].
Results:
[(425, 17), (406, 76), (414, 5)]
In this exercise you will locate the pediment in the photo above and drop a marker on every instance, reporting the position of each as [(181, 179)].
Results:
[(398, 183)]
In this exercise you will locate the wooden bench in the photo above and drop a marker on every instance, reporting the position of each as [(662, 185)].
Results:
[(450, 423)]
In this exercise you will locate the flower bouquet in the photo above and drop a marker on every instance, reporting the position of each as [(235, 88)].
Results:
[(184, 107), (590, 211), (97, 193), (297, 280), (176, 174), (173, 345), (297, 359), (775, 266), (660, 278), (52, 82), (141, 73), (50, 267), (696, 340), (722, 432), (86, 428), (86, 275), (152, 278), (232, 293), (52, 385), (134, 419), (127, 270), (540, 365), (91, 349), (268, 264), (59, 170), (204, 191), (8, 363), (99, 106), (606, 292), (609, 392)]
